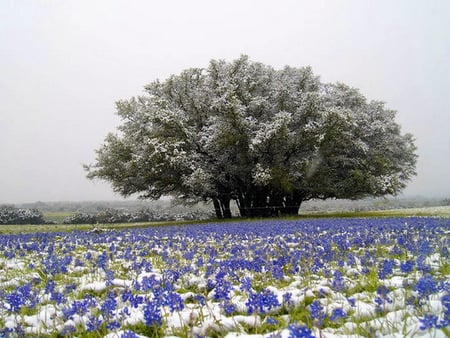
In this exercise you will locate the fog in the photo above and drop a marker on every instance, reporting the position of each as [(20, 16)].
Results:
[(63, 64)]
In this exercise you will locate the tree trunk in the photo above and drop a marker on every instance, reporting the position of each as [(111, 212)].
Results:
[(225, 203), (292, 204), (217, 208)]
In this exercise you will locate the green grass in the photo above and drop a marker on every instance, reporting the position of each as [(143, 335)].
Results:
[(443, 211), (57, 216)]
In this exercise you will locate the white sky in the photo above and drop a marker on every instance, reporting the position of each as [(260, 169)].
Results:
[(64, 63)]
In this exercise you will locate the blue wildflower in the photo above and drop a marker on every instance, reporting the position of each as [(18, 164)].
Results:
[(67, 330), (426, 286), (338, 283), (407, 266), (317, 313), (261, 302), (93, 324), (386, 269), (152, 314), (15, 300), (352, 302), (174, 301), (129, 334), (102, 260), (109, 277), (272, 321), (246, 284), (49, 286), (287, 299), (109, 305), (58, 297), (229, 308), (112, 325), (428, 321), (299, 331), (200, 299), (338, 314)]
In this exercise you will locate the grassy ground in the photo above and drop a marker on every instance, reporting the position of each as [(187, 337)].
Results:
[(57, 216), (443, 211)]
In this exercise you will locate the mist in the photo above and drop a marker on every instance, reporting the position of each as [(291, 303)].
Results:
[(65, 64)]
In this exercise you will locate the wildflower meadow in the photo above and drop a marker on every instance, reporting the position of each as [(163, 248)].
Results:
[(358, 277)]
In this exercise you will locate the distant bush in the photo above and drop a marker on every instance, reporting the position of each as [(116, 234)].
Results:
[(12, 215), (80, 218), (145, 215)]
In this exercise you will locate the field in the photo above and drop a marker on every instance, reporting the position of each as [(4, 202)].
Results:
[(324, 277)]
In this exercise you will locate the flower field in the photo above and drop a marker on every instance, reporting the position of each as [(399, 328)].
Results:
[(360, 277)]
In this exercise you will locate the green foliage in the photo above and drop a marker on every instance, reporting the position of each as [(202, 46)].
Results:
[(268, 139), (13, 215)]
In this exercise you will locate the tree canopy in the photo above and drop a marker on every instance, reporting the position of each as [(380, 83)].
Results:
[(268, 139)]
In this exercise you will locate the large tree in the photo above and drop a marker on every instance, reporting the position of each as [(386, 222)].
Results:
[(268, 139)]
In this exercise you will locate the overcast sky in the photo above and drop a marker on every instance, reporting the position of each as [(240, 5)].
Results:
[(64, 63)]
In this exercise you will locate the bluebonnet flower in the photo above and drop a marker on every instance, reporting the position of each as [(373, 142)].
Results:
[(287, 299), (407, 266), (148, 283), (200, 299), (445, 300), (299, 331), (109, 305), (109, 277), (351, 301), (136, 300), (49, 286), (426, 248), (174, 301), (135, 285), (67, 330), (383, 298), (428, 321), (338, 283), (222, 289), (277, 272), (93, 324), (129, 334), (317, 313), (126, 295), (200, 262), (396, 250), (58, 297), (386, 268), (383, 291), (126, 311), (15, 300), (88, 256), (338, 314), (77, 307), (246, 284), (69, 288), (53, 265), (102, 260), (422, 264), (261, 302), (228, 307), (152, 314), (112, 325), (272, 321), (426, 286)]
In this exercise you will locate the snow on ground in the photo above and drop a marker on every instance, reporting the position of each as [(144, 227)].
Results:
[(324, 278)]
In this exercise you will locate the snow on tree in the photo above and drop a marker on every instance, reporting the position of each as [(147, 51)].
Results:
[(267, 139)]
